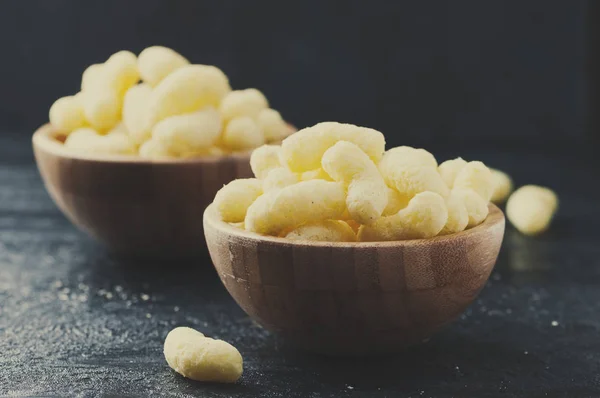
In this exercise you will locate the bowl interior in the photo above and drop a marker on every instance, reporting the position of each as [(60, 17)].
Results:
[(50, 140), (494, 220)]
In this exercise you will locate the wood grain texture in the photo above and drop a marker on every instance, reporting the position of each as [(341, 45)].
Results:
[(354, 298), (136, 206)]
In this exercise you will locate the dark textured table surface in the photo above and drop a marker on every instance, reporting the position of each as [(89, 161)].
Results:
[(78, 321)]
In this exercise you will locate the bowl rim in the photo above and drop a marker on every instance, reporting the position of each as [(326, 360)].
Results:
[(495, 217), (43, 140)]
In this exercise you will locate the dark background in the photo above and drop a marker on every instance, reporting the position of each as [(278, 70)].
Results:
[(423, 72), (513, 83)]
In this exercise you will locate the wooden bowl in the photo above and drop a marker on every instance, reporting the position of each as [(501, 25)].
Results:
[(354, 298), (135, 206)]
